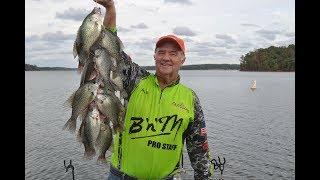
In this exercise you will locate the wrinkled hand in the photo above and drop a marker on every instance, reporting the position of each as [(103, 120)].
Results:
[(105, 3)]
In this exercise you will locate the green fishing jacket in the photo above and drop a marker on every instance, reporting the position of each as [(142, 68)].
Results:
[(151, 144)]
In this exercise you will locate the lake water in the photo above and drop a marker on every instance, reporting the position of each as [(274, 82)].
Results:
[(253, 130)]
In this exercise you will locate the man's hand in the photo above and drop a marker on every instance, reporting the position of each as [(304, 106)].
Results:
[(105, 3), (110, 16)]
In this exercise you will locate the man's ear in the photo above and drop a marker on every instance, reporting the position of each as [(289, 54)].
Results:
[(154, 57), (183, 59)]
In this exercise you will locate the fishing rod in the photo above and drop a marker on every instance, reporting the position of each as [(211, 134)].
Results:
[(219, 165), (68, 167), (216, 164)]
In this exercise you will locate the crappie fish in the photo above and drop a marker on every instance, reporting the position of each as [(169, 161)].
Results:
[(83, 57), (112, 43), (104, 65), (107, 66), (104, 141), (87, 34), (89, 131), (79, 101), (88, 73), (110, 106), (116, 79)]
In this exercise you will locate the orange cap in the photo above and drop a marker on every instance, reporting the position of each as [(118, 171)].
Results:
[(173, 38)]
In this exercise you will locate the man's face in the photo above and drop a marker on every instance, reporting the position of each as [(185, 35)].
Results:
[(169, 58)]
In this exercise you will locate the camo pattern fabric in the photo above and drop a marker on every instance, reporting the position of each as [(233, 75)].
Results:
[(196, 137), (133, 73), (197, 144)]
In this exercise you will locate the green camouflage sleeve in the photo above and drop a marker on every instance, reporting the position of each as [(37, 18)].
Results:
[(197, 145), (133, 73)]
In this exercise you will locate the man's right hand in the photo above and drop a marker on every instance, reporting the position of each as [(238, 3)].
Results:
[(105, 3), (110, 16)]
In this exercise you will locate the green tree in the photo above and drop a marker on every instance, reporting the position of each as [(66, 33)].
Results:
[(269, 59)]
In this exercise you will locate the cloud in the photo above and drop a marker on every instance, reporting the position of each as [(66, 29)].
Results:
[(286, 42), (187, 39), (49, 42), (206, 49), (32, 38), (52, 37), (290, 34), (249, 25), (183, 31), (187, 2), (50, 49), (211, 52), (226, 38), (268, 34), (73, 14), (140, 26), (146, 44), (45, 48), (245, 45), (122, 29)]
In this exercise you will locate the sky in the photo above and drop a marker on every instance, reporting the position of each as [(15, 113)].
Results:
[(214, 31)]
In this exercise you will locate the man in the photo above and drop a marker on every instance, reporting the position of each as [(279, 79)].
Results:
[(161, 114)]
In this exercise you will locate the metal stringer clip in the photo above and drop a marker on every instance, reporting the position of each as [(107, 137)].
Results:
[(219, 165), (68, 167)]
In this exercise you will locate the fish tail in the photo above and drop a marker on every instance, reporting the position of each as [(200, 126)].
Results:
[(70, 125), (89, 152), (102, 158)]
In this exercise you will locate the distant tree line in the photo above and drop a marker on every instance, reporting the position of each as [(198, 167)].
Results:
[(29, 67), (269, 59)]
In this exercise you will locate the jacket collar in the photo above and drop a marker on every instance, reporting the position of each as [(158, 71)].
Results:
[(175, 82)]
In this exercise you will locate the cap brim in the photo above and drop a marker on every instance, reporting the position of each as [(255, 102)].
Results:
[(168, 39)]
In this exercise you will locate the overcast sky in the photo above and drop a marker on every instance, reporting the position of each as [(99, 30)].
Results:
[(215, 31)]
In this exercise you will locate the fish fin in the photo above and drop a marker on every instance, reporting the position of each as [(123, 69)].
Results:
[(102, 159), (120, 44), (76, 45), (68, 102), (70, 125), (75, 53), (79, 134), (89, 152)]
